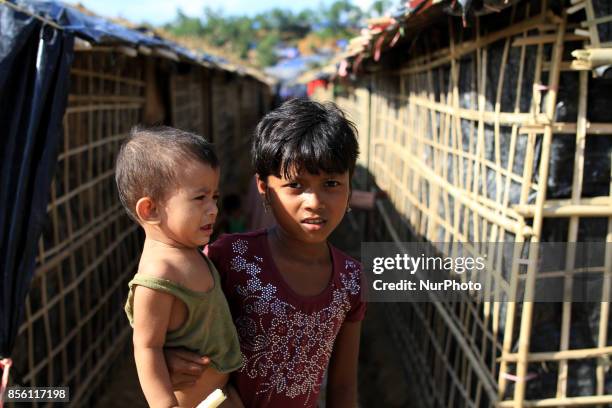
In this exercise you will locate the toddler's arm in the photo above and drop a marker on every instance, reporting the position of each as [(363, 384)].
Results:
[(151, 316), (342, 376)]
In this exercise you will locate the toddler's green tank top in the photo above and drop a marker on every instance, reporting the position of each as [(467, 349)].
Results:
[(208, 330)]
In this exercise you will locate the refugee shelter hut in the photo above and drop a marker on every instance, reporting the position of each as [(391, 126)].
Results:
[(485, 126), (72, 85)]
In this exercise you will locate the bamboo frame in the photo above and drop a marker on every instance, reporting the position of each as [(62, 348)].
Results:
[(432, 143)]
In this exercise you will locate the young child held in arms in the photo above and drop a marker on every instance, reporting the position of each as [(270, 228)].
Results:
[(295, 299), (168, 183)]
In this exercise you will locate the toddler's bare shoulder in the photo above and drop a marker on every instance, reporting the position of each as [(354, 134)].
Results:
[(169, 269)]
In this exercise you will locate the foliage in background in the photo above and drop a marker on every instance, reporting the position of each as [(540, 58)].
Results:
[(256, 39)]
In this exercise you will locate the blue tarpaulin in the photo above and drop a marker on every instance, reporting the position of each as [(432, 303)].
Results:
[(99, 30), (35, 62)]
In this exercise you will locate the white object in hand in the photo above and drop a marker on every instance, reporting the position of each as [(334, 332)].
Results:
[(213, 400)]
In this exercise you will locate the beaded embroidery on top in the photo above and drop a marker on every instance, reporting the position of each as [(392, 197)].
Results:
[(292, 351)]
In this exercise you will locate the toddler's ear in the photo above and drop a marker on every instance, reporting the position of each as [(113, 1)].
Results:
[(147, 212)]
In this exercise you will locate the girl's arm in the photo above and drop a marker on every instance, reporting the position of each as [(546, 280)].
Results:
[(342, 375), (185, 367), (151, 316)]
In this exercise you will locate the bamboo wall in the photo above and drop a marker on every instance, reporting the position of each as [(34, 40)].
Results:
[(225, 108), (237, 105), (188, 98), (74, 324), (461, 138)]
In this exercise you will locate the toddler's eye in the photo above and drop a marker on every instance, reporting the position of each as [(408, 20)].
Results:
[(294, 185), (332, 183), (199, 197), (215, 197)]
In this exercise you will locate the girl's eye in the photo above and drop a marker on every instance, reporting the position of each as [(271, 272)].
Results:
[(199, 197), (216, 197), (332, 183), (294, 185)]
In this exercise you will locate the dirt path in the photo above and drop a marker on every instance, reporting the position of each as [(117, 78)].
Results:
[(383, 382)]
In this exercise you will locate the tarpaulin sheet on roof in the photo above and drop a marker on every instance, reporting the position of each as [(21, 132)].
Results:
[(35, 62), (103, 31)]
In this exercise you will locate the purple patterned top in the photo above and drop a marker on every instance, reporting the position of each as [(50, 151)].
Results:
[(286, 339)]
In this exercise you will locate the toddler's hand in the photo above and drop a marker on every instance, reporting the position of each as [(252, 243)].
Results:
[(185, 367)]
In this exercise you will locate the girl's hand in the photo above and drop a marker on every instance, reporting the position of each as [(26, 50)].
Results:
[(185, 367)]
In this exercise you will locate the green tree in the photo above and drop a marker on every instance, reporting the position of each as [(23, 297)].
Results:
[(309, 17), (237, 33), (185, 25), (265, 50), (231, 32), (340, 20), (342, 14)]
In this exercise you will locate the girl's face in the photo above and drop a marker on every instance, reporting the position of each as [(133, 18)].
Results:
[(188, 214), (309, 206)]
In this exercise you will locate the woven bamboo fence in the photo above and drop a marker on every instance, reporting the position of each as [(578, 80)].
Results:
[(224, 107), (188, 93), (472, 139), (237, 106), (74, 326)]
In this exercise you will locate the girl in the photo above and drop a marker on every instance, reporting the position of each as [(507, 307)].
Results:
[(296, 300)]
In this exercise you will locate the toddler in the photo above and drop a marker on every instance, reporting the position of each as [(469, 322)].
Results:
[(168, 183)]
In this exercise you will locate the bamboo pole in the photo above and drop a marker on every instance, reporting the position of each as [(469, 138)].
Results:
[(561, 355), (572, 234), (511, 306), (602, 336), (526, 319), (498, 193), (481, 86), (565, 210), (592, 28), (565, 272), (559, 402)]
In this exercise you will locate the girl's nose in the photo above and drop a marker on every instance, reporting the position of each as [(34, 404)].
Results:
[(312, 199)]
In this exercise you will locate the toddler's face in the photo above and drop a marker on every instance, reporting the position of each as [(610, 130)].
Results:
[(309, 206), (189, 212)]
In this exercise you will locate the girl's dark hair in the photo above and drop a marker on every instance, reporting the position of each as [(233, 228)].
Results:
[(304, 135), (150, 158)]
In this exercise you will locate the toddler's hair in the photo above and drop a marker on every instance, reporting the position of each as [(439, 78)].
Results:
[(149, 160), (304, 135)]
